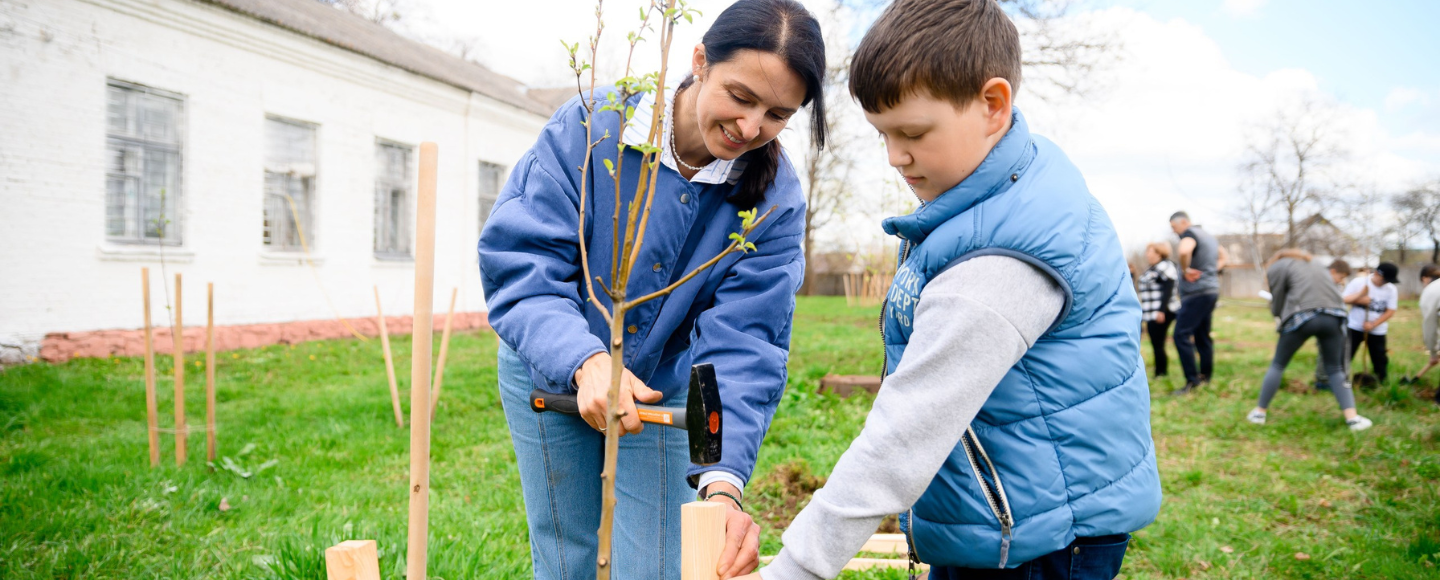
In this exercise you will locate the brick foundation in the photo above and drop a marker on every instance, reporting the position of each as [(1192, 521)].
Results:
[(63, 346)]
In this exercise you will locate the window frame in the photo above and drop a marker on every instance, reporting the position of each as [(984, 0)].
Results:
[(132, 139), (500, 173), (309, 236), (406, 218)]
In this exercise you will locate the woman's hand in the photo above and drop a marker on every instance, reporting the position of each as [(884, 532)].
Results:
[(593, 380), (1160, 317), (742, 536)]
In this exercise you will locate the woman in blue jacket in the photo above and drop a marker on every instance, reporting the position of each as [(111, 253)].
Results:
[(759, 63)]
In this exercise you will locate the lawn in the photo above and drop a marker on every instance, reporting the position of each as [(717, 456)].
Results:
[(311, 427)]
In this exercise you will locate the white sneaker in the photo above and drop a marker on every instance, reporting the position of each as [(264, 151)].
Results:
[(1256, 416), (1358, 423)]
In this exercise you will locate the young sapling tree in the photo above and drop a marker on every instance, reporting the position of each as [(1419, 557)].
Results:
[(626, 251)]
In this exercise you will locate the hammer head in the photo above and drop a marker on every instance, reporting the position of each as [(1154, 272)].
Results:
[(704, 419)]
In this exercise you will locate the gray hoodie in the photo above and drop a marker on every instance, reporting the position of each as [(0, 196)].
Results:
[(1299, 285)]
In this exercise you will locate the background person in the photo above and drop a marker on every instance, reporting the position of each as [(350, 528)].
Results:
[(757, 65), (1308, 305), (1339, 273), (1159, 300), (1373, 300), (1430, 317), (1201, 258)]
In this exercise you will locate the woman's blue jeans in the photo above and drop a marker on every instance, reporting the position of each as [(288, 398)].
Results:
[(560, 458)]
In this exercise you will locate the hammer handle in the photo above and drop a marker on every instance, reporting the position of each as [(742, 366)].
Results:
[(541, 401)]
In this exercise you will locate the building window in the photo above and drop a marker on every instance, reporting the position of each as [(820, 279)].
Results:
[(142, 175), (289, 184), (392, 200), (492, 176)]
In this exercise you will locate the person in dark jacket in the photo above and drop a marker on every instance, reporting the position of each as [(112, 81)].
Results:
[(1159, 300), (1306, 304), (757, 66)]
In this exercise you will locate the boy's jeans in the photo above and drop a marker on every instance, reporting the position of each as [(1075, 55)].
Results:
[(560, 458), (1097, 558), (1192, 334)]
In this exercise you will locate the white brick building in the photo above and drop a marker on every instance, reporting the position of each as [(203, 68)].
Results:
[(132, 129)]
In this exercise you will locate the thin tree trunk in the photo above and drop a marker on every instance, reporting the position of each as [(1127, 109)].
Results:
[(807, 286), (612, 444)]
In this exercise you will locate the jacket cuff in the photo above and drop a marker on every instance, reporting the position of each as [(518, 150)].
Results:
[(568, 383)]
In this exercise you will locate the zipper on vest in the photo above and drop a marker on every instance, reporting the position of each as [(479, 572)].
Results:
[(880, 323), (914, 556), (992, 488)]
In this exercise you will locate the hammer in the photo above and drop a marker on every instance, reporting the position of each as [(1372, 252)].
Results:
[(701, 417)]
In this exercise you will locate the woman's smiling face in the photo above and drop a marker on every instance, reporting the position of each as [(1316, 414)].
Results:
[(743, 103)]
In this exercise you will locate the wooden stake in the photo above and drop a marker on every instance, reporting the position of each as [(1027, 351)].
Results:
[(702, 538), (210, 371), (352, 560), (444, 349), (389, 361), (422, 337), (150, 407), (178, 348)]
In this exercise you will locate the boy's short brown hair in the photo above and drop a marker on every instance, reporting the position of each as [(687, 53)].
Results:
[(1341, 267), (949, 48)]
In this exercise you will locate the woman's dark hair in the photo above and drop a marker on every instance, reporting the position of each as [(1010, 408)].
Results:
[(786, 29)]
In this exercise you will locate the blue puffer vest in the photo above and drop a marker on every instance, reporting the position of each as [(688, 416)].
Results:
[(1062, 447)]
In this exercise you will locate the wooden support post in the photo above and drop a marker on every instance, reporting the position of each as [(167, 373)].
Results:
[(177, 344), (389, 361), (150, 408), (444, 350), (352, 560), (702, 538), (422, 337), (210, 371)]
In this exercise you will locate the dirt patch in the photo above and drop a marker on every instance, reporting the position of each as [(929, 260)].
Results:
[(778, 496)]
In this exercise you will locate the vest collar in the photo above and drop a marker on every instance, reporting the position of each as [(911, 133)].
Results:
[(1009, 158)]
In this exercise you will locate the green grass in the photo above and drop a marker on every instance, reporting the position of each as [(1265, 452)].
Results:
[(78, 499)]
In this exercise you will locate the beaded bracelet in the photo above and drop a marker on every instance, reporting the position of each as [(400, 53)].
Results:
[(729, 495)]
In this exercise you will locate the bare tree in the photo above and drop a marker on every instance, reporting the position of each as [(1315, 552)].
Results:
[(1287, 160), (828, 172), (1256, 209), (386, 13), (1062, 57), (1418, 214)]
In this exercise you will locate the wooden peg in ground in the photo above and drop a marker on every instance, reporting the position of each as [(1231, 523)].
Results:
[(444, 350), (389, 361), (150, 408), (422, 332), (702, 538), (352, 560), (177, 344), (210, 372)]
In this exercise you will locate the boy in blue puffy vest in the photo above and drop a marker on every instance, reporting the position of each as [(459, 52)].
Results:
[(1012, 433)]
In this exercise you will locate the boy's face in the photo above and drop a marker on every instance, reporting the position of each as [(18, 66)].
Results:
[(936, 144), (1377, 279), (1337, 276)]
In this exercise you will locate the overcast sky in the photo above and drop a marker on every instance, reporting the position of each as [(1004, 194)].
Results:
[(1166, 127)]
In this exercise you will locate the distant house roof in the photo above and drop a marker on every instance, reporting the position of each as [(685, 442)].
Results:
[(329, 25)]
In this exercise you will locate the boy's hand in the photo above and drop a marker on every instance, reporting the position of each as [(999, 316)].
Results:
[(593, 380), (1192, 274), (741, 554), (1370, 325)]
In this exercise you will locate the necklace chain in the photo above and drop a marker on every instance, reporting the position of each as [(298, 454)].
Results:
[(675, 151)]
